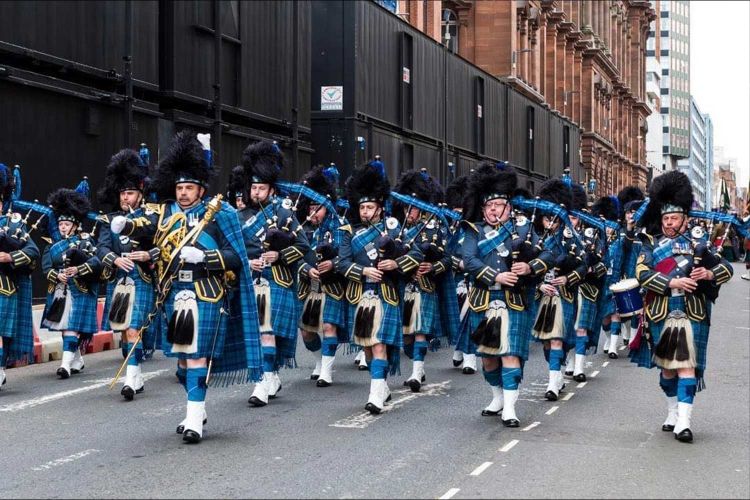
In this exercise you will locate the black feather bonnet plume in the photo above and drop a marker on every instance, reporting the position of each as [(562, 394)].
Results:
[(69, 205), (671, 192), (607, 207), (317, 180), (237, 186), (630, 198), (367, 183), (489, 181), (580, 200), (454, 193), (185, 161), (125, 172), (263, 161)]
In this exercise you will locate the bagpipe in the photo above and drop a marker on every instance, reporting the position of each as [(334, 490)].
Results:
[(433, 250)]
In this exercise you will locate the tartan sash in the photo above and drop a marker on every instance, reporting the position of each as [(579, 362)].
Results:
[(361, 240), (486, 246)]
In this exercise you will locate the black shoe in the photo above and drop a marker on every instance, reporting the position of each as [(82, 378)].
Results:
[(667, 428), (323, 383), (468, 370), (581, 377), (550, 396), (568, 373), (181, 428), (414, 384), (128, 393), (362, 368), (686, 436), (490, 413), (457, 363), (314, 377), (373, 409), (74, 371), (613, 355), (605, 351), (406, 382), (63, 373), (511, 422), (256, 402), (191, 437)]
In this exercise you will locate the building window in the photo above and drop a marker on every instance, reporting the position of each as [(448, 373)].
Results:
[(450, 30)]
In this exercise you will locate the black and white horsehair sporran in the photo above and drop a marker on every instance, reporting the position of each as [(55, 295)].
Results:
[(463, 294), (182, 330), (676, 347), (549, 320), (492, 334), (59, 310), (312, 312), (121, 311), (368, 316), (412, 318), (262, 291)]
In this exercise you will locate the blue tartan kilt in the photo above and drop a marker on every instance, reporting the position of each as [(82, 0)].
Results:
[(644, 357), (209, 315), (587, 311), (607, 303), (391, 331), (518, 331), (82, 318), (429, 315), (9, 315), (464, 342), (334, 313)]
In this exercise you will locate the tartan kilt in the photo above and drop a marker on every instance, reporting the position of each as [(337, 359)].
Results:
[(334, 313), (464, 342), (607, 303), (518, 334), (208, 317), (9, 316), (82, 318), (643, 357), (285, 309), (569, 310), (430, 317), (587, 311), (390, 332)]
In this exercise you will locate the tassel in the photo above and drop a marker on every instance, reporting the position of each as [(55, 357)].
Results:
[(55, 313), (315, 313), (549, 320), (682, 352), (408, 306), (540, 317)]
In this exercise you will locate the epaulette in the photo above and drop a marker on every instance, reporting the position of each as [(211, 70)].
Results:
[(153, 208), (347, 228), (470, 225)]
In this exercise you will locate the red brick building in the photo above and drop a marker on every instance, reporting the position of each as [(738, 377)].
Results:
[(586, 60)]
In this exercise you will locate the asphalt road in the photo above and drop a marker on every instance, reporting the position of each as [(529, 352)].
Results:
[(75, 438)]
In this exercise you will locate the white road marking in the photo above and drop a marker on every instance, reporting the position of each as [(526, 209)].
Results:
[(65, 460), (568, 396), (582, 384), (622, 348), (551, 410), (480, 469), (742, 327), (94, 384), (449, 494), (364, 419), (509, 445), (604, 365), (530, 426), (594, 373)]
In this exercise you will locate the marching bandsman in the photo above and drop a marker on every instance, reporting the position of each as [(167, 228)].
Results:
[(321, 286), (19, 256), (497, 306), (587, 324), (72, 268), (465, 352), (555, 320), (127, 264), (680, 275), (420, 311), (631, 198), (372, 257), (201, 251), (275, 246), (607, 207)]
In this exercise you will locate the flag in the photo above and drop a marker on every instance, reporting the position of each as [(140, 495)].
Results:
[(724, 202)]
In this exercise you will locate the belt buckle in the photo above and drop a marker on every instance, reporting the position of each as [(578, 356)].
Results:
[(185, 276), (676, 292)]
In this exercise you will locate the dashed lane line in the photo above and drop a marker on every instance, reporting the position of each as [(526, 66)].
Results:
[(480, 469), (594, 373), (509, 445), (581, 384), (551, 410), (604, 365), (65, 460), (449, 494), (530, 426), (568, 396)]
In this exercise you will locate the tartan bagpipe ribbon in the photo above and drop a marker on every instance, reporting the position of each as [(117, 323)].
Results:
[(598, 222), (45, 211), (421, 205), (740, 227), (308, 193), (549, 208)]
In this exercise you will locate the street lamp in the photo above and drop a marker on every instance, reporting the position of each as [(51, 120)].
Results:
[(513, 56)]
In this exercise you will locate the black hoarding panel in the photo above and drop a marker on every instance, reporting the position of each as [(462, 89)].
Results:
[(556, 146), (88, 33), (518, 132), (496, 120), (460, 103), (429, 96), (332, 67), (541, 140)]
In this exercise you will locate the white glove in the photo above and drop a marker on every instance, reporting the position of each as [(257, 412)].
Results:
[(205, 140), (192, 255), (118, 224)]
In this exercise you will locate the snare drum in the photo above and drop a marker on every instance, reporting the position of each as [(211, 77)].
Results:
[(628, 298)]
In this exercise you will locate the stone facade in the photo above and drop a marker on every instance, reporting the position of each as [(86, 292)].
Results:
[(585, 60)]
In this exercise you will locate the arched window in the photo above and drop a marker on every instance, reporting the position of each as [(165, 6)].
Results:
[(450, 30)]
